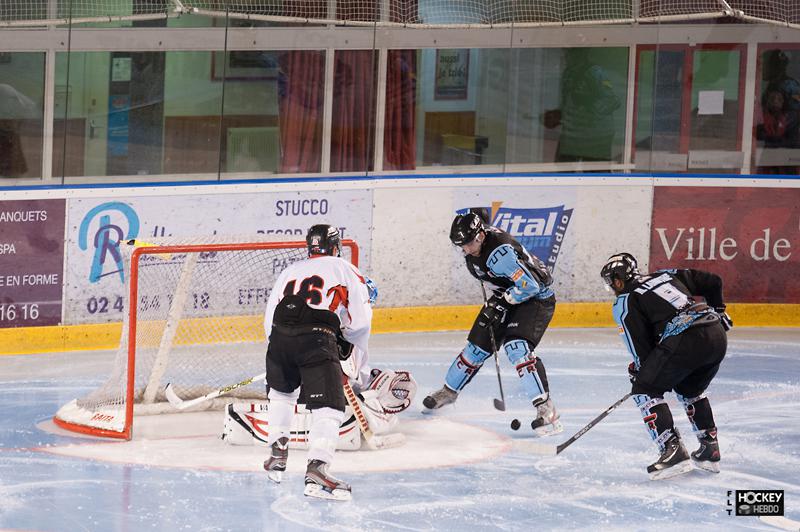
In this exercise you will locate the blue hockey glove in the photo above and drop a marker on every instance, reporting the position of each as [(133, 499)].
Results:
[(494, 311), (372, 288)]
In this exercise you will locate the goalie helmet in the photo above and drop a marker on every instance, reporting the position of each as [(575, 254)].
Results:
[(465, 228), (323, 239), (622, 266)]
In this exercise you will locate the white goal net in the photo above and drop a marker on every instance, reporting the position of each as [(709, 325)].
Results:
[(197, 324), (406, 13)]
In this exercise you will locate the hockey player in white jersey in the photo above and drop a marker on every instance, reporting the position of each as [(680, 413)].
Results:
[(318, 315), (315, 305)]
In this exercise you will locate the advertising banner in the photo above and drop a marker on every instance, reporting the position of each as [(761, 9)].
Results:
[(748, 236), (95, 276), (31, 262), (572, 229)]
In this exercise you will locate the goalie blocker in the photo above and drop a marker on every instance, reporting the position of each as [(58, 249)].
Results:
[(387, 394)]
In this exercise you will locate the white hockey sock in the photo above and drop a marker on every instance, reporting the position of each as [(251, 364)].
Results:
[(324, 434), (280, 414)]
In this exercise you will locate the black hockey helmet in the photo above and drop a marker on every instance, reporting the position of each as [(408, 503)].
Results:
[(622, 266), (324, 239), (465, 228)]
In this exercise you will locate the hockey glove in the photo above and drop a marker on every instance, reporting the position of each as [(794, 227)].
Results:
[(345, 348), (632, 372), (725, 319), (372, 289), (493, 312)]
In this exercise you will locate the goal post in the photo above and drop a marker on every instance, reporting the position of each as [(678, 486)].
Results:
[(197, 324)]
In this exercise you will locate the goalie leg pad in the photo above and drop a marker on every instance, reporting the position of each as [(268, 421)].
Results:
[(247, 424), (465, 366), (529, 368)]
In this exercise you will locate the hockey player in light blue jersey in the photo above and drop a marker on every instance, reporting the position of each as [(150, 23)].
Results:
[(513, 319)]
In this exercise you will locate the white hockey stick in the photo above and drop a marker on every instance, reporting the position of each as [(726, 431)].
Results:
[(373, 441), (181, 404)]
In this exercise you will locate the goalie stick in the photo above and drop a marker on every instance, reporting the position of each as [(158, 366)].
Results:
[(499, 404), (373, 441), (182, 404), (542, 448)]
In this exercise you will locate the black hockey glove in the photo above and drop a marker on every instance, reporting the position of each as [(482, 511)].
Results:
[(727, 322), (632, 372), (345, 348), (494, 311)]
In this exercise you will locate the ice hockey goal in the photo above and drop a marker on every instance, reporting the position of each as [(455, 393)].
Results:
[(197, 324)]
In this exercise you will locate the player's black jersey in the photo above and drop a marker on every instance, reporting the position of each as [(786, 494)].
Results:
[(508, 266), (661, 304)]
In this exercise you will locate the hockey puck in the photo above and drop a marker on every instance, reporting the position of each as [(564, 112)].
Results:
[(515, 424)]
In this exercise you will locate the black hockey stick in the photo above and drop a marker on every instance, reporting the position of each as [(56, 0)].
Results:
[(542, 448), (499, 404)]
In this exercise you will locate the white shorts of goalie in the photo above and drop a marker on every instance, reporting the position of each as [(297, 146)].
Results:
[(192, 441)]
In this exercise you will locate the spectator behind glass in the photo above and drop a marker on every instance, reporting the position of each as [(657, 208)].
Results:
[(586, 114), (780, 110), (15, 109)]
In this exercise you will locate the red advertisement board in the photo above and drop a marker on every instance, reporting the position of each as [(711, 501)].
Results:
[(31, 262), (749, 236)]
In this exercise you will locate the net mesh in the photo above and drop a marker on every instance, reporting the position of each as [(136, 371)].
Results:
[(199, 326), (413, 13), (48, 12)]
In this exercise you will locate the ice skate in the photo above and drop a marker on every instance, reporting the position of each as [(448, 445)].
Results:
[(547, 420), (322, 485), (439, 398), (275, 465), (674, 460), (706, 457)]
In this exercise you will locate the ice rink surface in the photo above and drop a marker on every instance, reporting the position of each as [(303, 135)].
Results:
[(462, 469)]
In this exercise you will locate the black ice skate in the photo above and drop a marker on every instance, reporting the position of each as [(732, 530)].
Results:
[(440, 398), (706, 457), (547, 419), (674, 460), (322, 485), (275, 465)]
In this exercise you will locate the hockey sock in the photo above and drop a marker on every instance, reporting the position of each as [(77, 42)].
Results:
[(529, 368), (465, 366), (280, 413), (657, 417), (698, 410), (324, 434)]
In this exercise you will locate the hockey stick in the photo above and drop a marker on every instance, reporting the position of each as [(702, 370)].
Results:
[(541, 448), (499, 404), (372, 440), (181, 404)]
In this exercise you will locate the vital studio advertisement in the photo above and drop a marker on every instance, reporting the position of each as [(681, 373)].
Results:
[(95, 273), (566, 227)]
